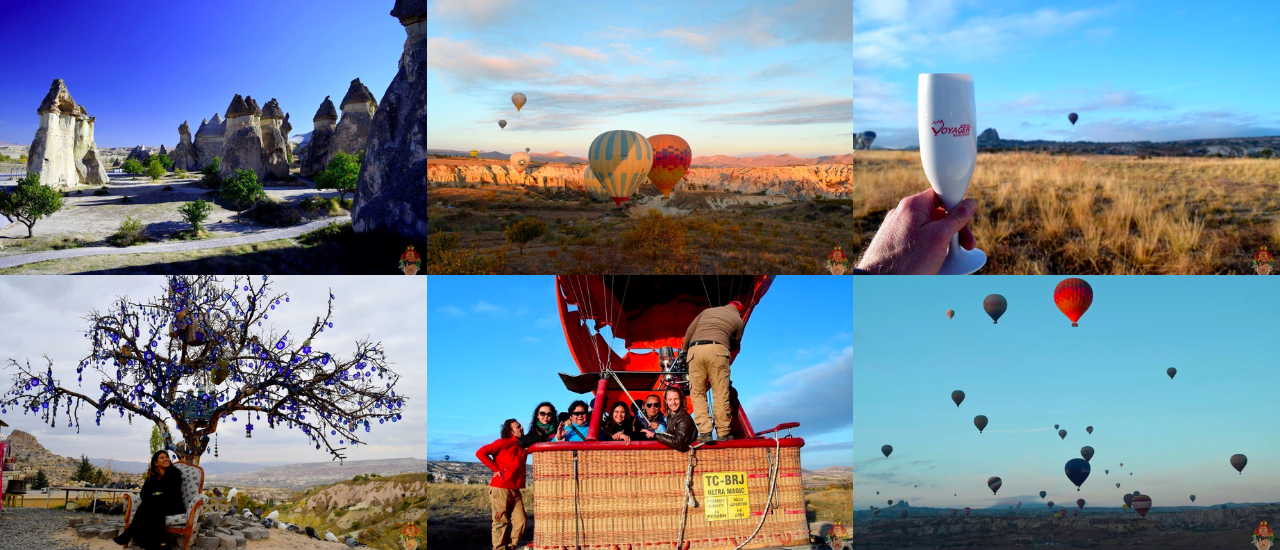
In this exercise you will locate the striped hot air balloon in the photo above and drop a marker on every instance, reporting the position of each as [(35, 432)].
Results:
[(1073, 297), (1141, 504), (592, 185), (671, 158), (620, 159)]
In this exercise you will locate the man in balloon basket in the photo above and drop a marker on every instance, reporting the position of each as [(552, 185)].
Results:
[(709, 343)]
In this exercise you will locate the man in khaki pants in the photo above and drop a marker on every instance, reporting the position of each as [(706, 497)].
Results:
[(709, 342)]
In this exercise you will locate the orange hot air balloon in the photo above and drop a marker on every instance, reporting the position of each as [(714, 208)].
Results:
[(950, 313), (1073, 297), (671, 158)]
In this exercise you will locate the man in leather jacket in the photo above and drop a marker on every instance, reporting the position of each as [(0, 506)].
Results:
[(681, 430)]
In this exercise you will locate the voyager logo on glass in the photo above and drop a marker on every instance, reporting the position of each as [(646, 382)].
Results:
[(940, 128)]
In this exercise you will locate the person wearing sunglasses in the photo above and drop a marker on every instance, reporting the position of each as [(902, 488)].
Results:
[(681, 430), (709, 343), (578, 423), (653, 422), (542, 427), (506, 458)]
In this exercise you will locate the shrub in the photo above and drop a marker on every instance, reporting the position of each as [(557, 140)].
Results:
[(653, 235), (180, 173), (330, 206), (132, 167), (195, 213), (525, 230), (129, 234), (341, 174), (274, 212), (210, 179), (242, 189), (30, 201), (165, 161), (155, 169), (126, 200), (101, 191)]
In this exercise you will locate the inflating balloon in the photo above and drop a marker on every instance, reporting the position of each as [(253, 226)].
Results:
[(995, 306), (620, 159), (1062, 434), (1073, 297), (502, 124), (1238, 461), (1077, 471), (957, 396), (886, 450), (1141, 504), (981, 422), (951, 313), (1171, 372), (518, 100), (671, 158), (994, 483), (1073, 117), (1086, 452)]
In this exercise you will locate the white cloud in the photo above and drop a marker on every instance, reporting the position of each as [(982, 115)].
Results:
[(486, 307), (579, 52), (464, 61), (820, 398), (476, 13), (453, 310)]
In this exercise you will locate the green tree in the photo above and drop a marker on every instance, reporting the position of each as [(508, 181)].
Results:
[(242, 189), (155, 169), (210, 179), (341, 174), (525, 230), (22, 158), (132, 167), (164, 161), (84, 470), (195, 213), (30, 201), (41, 481), (157, 440)]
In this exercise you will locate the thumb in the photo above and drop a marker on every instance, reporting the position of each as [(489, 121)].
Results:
[(957, 218)]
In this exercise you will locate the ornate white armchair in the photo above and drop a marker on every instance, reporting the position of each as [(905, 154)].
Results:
[(192, 498)]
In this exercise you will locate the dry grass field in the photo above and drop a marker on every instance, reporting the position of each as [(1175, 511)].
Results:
[(468, 228), (1056, 214)]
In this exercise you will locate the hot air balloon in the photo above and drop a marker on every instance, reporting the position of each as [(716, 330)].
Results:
[(1042, 494), (1121, 464), (1193, 498), (995, 305), (1171, 372), (1136, 493), (1075, 513), (1108, 472), (886, 449), (1125, 506), (1077, 471), (620, 159), (1117, 486), (1238, 461), (954, 511), (502, 124), (1055, 426), (890, 502), (526, 149), (1073, 297), (518, 100), (994, 483), (1089, 429), (519, 162), (980, 421), (1128, 499), (957, 396), (1141, 504), (951, 313), (592, 185), (671, 158), (1062, 434), (966, 510), (1130, 473), (1073, 117), (877, 492), (1080, 503), (915, 486), (1051, 504), (474, 153), (1086, 452)]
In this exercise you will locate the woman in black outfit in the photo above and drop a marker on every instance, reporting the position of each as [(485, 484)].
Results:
[(542, 427), (161, 496), (617, 425)]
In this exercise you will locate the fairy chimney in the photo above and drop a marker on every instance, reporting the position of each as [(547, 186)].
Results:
[(209, 139), (318, 148), (274, 146), (63, 151), (184, 155), (358, 108), (242, 148)]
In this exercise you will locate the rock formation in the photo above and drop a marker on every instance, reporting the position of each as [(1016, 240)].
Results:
[(274, 146), (163, 151), (140, 154), (358, 109), (243, 146), (325, 121), (63, 152), (184, 155), (285, 127), (209, 139), (391, 193)]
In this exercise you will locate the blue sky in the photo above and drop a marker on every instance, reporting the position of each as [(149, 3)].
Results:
[(1140, 70), (497, 346), (1032, 370), (144, 67), (731, 77)]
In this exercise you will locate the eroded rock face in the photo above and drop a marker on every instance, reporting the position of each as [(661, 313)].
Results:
[(391, 193), (140, 154), (184, 155), (63, 151), (209, 140), (318, 149), (274, 146), (358, 109), (243, 146)]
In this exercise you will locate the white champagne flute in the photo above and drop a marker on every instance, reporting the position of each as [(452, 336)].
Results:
[(949, 151)]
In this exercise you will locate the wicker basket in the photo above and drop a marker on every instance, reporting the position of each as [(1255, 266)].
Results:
[(633, 496)]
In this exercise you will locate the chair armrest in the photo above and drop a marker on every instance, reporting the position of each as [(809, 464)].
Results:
[(193, 515), (132, 502)]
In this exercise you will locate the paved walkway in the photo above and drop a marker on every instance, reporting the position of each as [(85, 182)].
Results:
[(183, 246)]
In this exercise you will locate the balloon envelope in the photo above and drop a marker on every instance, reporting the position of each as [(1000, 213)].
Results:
[(966, 510), (957, 396), (1073, 297), (1128, 499), (1073, 117), (502, 124), (953, 511), (1238, 461), (1193, 498), (1080, 502), (1141, 504), (1089, 429), (1086, 452), (671, 158), (1117, 486), (592, 185), (995, 306), (886, 450), (621, 159), (951, 313), (520, 162), (1062, 434), (981, 422), (1042, 494), (1051, 504), (518, 99), (994, 483), (1077, 471), (474, 153), (1171, 372)]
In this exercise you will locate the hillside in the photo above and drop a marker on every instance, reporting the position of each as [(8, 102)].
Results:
[(33, 457), (707, 161), (1227, 147), (301, 476)]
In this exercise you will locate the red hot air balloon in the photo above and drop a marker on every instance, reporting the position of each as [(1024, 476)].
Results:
[(966, 510), (1051, 504), (1141, 504), (1073, 297), (671, 159), (1075, 513), (994, 484)]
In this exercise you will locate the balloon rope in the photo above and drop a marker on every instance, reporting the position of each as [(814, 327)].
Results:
[(773, 487)]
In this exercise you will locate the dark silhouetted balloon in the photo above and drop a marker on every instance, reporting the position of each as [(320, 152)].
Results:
[(1042, 494), (1171, 372), (1089, 429), (890, 502), (1080, 503), (1077, 471), (957, 396), (877, 492), (1073, 117), (1238, 461), (1086, 452), (994, 484), (886, 450), (1141, 504), (981, 422), (1193, 498), (1117, 486), (1062, 434), (1128, 499), (995, 306), (1106, 471), (876, 512), (1051, 504), (1073, 297), (1136, 493), (951, 313), (1055, 426)]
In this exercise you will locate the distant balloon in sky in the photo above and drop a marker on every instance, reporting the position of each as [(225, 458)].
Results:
[(1055, 426), (886, 450), (1141, 504), (502, 124), (877, 492), (526, 149), (1238, 461), (951, 313), (890, 502), (1106, 471), (1073, 117), (1062, 434), (474, 153), (671, 159), (966, 510), (994, 484), (1080, 503), (995, 305), (1128, 499), (1171, 372), (1077, 471), (518, 100), (1089, 429), (980, 421), (957, 396), (1121, 464), (1086, 452), (1051, 504), (1117, 486), (621, 159), (519, 162), (1042, 494), (1073, 297), (1193, 498)]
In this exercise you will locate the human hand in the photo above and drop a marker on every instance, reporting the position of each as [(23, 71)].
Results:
[(648, 433), (914, 237)]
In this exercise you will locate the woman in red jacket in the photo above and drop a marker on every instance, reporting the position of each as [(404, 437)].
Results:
[(506, 457)]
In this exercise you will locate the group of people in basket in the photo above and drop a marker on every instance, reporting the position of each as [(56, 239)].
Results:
[(709, 343)]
